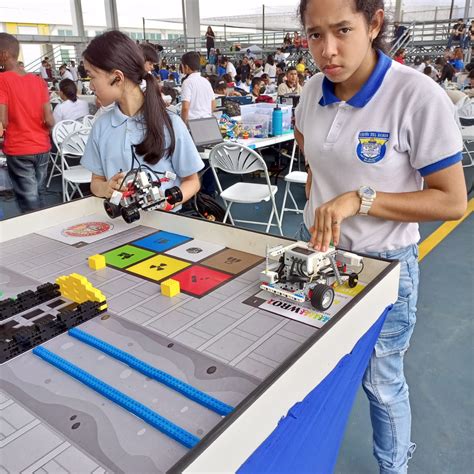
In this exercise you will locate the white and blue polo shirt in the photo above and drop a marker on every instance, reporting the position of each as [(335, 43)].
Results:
[(108, 150), (397, 129)]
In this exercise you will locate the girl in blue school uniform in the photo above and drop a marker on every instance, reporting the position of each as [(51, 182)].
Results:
[(139, 119), (372, 131)]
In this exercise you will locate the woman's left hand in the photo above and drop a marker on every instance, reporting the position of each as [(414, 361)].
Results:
[(328, 219)]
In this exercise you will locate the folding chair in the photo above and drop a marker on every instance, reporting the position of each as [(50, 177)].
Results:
[(235, 158), (72, 176), (299, 177), (468, 156), (88, 120), (60, 131), (468, 139)]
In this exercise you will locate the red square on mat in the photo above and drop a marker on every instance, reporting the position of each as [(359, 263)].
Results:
[(198, 281)]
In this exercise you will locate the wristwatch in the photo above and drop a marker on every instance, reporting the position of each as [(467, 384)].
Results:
[(367, 197)]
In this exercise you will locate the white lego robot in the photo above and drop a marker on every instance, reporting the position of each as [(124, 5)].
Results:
[(304, 274)]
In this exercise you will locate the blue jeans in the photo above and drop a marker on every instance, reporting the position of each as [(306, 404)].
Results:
[(28, 176), (384, 381)]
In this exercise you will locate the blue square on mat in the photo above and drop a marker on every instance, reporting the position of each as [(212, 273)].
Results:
[(161, 241)]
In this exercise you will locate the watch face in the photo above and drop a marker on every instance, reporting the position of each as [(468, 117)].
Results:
[(367, 192)]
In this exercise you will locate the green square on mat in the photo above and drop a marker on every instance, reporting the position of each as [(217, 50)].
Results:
[(126, 255)]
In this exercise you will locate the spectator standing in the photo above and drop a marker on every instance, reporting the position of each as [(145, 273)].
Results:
[(196, 93), (49, 68), (287, 42), (25, 117), (44, 70), (470, 35), (398, 32), (82, 70), (270, 68), (291, 86), (212, 61), (71, 108), (73, 71), (245, 69), (75, 76), (297, 41), (458, 32), (210, 40), (400, 56)]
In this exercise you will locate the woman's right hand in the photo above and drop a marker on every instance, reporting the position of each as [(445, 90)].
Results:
[(113, 184)]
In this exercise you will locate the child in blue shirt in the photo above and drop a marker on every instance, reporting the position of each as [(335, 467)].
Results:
[(139, 119)]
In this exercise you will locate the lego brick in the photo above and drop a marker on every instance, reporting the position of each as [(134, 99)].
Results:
[(170, 288), (160, 376), (96, 262), (138, 409), (77, 288)]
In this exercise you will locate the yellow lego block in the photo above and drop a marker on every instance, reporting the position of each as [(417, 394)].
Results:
[(96, 262), (79, 289), (170, 288)]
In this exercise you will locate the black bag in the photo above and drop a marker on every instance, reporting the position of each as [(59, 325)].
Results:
[(204, 206)]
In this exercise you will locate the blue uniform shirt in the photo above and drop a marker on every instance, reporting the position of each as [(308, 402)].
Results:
[(108, 150)]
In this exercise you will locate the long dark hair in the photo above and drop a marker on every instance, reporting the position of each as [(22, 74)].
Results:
[(69, 89), (114, 50), (368, 8)]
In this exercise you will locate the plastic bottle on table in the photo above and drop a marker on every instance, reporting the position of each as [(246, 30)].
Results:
[(277, 121)]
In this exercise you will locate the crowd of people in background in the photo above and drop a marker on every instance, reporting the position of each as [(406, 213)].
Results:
[(201, 79)]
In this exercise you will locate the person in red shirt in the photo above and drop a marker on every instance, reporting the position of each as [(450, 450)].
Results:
[(25, 120)]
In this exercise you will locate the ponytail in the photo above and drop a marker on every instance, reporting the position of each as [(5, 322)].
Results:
[(153, 147)]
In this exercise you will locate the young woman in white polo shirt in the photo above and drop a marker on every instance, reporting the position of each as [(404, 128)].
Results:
[(372, 130)]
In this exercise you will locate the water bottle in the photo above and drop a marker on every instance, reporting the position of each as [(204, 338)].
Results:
[(277, 121)]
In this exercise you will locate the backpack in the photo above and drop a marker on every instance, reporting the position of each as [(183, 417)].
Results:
[(231, 107), (205, 207)]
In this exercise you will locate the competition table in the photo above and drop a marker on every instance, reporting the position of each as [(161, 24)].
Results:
[(291, 385)]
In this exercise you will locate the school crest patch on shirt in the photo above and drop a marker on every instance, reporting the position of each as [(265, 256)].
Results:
[(372, 146)]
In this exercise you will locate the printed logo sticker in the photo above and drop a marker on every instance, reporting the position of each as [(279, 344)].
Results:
[(372, 146)]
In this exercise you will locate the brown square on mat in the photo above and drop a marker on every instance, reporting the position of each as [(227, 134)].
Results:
[(232, 261)]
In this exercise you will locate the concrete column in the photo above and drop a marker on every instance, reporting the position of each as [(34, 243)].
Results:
[(467, 8), (193, 23), (76, 17), (398, 11), (111, 15)]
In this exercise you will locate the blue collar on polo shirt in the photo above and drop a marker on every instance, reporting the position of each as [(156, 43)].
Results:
[(367, 91), (118, 117)]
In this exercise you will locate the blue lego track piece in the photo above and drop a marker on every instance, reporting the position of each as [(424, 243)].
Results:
[(166, 379), (149, 416)]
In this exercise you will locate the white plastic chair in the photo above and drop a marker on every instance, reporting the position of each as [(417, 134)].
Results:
[(88, 120), (298, 177), (468, 138), (235, 158), (72, 176), (60, 131)]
